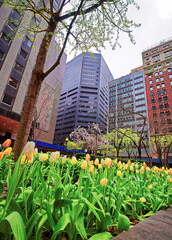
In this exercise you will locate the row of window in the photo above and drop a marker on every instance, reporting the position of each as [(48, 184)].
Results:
[(162, 85), (162, 114), (163, 91), (160, 99), (163, 122), (161, 106)]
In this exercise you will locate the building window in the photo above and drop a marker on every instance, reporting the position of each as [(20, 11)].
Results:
[(163, 122), (2, 54), (166, 105), (171, 83), (168, 121), (169, 70), (162, 78), (157, 79), (156, 131), (160, 99), (18, 67), (152, 94), (28, 42), (170, 76), (161, 114), (23, 53), (167, 113), (11, 25), (161, 106), (160, 72), (156, 74), (154, 115), (158, 86), (164, 91), (149, 76), (153, 108), (7, 100), (12, 82), (165, 98), (167, 63), (151, 88), (152, 100), (150, 82), (162, 84), (5, 38), (155, 123), (159, 93)]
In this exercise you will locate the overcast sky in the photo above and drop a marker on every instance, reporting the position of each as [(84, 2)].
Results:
[(155, 17)]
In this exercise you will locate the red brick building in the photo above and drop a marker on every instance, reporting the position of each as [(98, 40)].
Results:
[(157, 63)]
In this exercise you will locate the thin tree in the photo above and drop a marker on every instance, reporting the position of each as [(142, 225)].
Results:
[(83, 24)]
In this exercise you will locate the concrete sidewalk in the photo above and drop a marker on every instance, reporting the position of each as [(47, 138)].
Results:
[(156, 227)]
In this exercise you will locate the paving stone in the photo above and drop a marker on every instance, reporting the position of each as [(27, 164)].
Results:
[(156, 227)]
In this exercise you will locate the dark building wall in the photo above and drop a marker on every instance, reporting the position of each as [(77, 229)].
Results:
[(84, 96)]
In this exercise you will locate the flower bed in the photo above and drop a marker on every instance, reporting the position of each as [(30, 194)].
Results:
[(49, 195)]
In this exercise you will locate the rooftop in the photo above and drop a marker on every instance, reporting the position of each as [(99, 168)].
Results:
[(159, 43)]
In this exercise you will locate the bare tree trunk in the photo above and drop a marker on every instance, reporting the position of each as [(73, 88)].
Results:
[(149, 157), (33, 93)]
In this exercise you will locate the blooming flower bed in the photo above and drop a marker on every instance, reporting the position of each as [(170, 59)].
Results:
[(76, 199)]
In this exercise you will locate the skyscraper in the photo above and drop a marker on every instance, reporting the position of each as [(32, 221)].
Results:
[(17, 59), (127, 99), (157, 62), (84, 96)]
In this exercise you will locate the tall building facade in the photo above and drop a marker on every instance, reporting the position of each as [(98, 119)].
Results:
[(127, 99), (17, 59), (84, 96), (157, 62)]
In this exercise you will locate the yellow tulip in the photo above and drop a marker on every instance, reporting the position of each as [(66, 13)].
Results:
[(150, 187), (57, 154), (43, 157), (52, 157), (137, 171), (129, 162), (169, 178), (29, 148), (99, 166), (142, 168), (107, 161), (73, 160), (119, 173), (64, 159), (120, 167), (170, 171), (35, 152), (116, 160), (104, 181), (96, 161), (166, 172), (84, 165), (102, 162), (7, 151), (91, 169), (87, 157), (131, 168), (143, 200), (23, 159)]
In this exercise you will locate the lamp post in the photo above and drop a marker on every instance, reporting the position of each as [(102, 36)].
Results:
[(67, 139)]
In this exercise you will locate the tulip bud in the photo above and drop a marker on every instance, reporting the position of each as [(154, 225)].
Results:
[(29, 148), (43, 157), (104, 181), (96, 161), (84, 165), (7, 143), (99, 166), (7, 151), (102, 161), (129, 162), (143, 200), (52, 157), (150, 187), (30, 159), (57, 154), (137, 171), (1, 155), (91, 169), (35, 152), (87, 157), (23, 159), (73, 160), (119, 173), (107, 161), (116, 160), (131, 168), (64, 159)]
